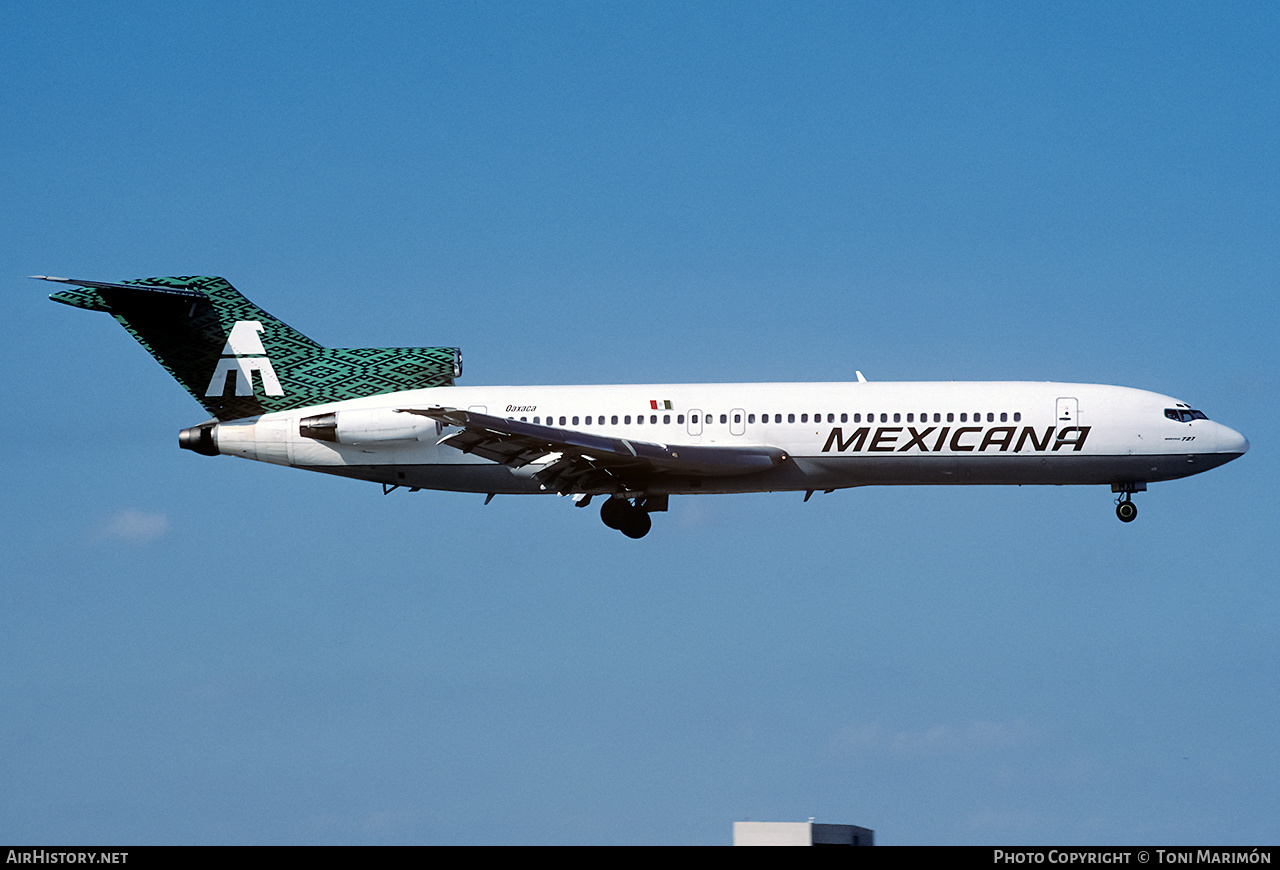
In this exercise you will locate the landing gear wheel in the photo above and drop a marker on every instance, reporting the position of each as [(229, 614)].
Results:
[(614, 512), (1127, 511), (637, 523)]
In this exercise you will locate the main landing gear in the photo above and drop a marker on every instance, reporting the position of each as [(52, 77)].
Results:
[(1126, 510), (631, 517)]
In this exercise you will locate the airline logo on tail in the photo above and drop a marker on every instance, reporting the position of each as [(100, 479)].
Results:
[(244, 354)]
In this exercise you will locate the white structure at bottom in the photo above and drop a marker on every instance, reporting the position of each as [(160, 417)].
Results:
[(800, 834)]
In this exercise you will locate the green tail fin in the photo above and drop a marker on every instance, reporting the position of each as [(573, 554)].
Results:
[(239, 361)]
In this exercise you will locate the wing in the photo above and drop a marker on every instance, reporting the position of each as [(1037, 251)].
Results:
[(582, 462)]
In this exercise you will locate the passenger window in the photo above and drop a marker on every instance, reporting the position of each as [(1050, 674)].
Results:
[(991, 418), (653, 418), (614, 419), (562, 421), (751, 418), (951, 418), (804, 418), (857, 418), (575, 421), (791, 418), (1004, 418), (666, 418), (964, 418), (1017, 416), (844, 418), (680, 419), (724, 418), (627, 419)]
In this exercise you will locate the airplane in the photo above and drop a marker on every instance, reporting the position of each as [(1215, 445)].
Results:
[(394, 416)]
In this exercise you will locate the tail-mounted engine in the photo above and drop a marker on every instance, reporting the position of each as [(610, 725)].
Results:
[(366, 427)]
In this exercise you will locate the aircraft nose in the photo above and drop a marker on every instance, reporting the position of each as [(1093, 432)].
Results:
[(1233, 442)]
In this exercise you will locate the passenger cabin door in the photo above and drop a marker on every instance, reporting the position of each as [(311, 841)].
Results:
[(737, 421), (1068, 413)]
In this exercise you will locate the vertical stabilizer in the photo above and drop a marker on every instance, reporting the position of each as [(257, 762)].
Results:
[(237, 360)]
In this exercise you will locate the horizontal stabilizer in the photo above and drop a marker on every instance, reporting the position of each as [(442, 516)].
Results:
[(106, 285)]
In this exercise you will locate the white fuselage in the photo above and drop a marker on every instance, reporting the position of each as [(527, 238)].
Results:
[(835, 434)]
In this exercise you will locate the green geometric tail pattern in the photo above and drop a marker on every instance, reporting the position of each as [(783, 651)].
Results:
[(188, 334)]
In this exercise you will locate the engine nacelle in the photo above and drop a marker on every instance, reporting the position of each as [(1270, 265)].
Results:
[(375, 426)]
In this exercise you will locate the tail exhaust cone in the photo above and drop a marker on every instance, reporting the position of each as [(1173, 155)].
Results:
[(201, 439)]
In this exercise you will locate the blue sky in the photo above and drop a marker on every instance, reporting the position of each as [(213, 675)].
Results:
[(213, 651)]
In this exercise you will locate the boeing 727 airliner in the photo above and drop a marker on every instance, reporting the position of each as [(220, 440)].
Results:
[(394, 416)]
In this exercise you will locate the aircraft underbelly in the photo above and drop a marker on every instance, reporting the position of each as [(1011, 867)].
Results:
[(822, 472), (943, 469), (486, 477)]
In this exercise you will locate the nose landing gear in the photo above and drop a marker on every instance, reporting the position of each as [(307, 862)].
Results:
[(1126, 510)]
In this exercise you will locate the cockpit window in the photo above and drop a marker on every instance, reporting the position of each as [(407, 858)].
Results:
[(1184, 415)]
